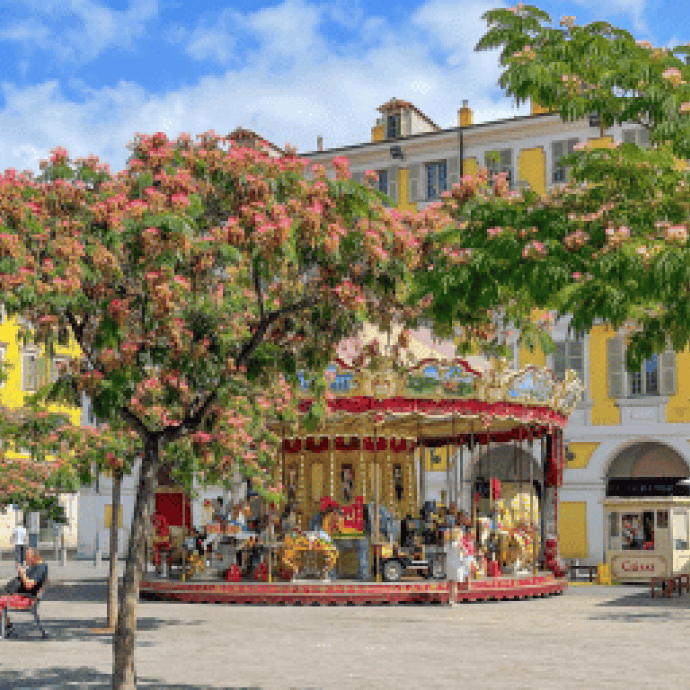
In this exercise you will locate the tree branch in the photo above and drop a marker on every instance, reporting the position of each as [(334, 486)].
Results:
[(257, 287), (266, 323)]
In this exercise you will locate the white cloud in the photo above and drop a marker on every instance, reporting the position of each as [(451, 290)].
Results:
[(291, 85), (634, 9), (97, 27)]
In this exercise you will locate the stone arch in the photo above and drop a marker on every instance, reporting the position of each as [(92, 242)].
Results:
[(642, 458), (503, 466)]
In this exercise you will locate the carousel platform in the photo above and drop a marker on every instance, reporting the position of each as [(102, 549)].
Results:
[(350, 592)]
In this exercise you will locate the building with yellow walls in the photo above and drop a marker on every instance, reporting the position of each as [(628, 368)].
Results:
[(630, 427), (28, 368)]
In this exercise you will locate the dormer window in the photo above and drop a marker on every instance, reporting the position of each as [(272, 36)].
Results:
[(394, 126)]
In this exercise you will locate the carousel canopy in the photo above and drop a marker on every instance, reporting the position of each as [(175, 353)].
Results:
[(395, 382)]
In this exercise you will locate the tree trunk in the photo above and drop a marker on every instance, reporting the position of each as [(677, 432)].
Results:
[(123, 642), (114, 549)]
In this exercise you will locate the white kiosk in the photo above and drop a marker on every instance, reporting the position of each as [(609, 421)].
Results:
[(647, 537)]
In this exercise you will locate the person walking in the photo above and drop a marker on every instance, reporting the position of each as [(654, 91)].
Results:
[(19, 539)]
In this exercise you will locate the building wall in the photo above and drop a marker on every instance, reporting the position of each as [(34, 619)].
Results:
[(600, 428), (12, 396)]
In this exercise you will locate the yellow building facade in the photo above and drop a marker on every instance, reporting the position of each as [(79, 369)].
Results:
[(27, 368), (629, 427)]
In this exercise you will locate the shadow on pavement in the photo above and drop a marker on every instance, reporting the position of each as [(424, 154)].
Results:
[(81, 630), (87, 592), (658, 609), (84, 677)]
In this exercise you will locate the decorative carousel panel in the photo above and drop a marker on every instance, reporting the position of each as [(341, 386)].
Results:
[(532, 384)]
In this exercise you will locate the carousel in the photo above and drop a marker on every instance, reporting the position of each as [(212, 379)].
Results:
[(432, 478)]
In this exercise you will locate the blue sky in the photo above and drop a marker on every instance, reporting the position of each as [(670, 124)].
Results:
[(87, 75)]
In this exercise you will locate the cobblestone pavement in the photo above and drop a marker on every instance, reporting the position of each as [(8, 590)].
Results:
[(594, 637)]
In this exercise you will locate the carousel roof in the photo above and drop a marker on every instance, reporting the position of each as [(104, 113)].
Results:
[(397, 388)]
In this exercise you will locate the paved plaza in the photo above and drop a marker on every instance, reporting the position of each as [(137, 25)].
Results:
[(595, 637)]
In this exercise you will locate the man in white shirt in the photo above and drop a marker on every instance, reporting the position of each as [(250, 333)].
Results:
[(19, 540)]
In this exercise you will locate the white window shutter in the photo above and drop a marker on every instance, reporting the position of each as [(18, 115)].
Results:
[(406, 124), (393, 183), (643, 137), (667, 373), (615, 350), (415, 172), (453, 169), (25, 372)]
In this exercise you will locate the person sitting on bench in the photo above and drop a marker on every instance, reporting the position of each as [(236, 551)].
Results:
[(31, 581)]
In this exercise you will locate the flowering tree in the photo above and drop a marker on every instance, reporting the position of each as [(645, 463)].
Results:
[(612, 244), (577, 70), (198, 284)]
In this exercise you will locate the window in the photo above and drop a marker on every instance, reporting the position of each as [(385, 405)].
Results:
[(394, 128), (656, 377), (497, 162), (680, 531), (632, 532), (436, 179), (30, 371), (558, 150), (645, 381), (383, 181), (636, 136), (662, 519), (570, 354)]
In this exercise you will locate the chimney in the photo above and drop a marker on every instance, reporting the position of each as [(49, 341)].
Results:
[(319, 143), (465, 117)]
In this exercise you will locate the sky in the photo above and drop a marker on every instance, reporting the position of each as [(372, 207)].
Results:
[(88, 75)]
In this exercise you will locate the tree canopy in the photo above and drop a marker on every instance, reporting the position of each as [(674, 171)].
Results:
[(612, 243), (199, 284)]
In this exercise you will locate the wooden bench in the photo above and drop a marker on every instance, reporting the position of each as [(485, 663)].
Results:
[(670, 584), (33, 609)]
